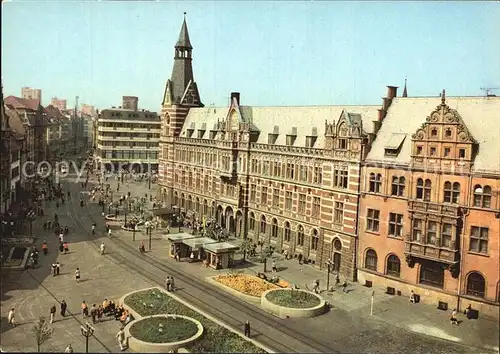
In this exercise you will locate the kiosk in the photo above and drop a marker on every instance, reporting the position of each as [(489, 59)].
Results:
[(220, 255), (196, 246), (176, 243)]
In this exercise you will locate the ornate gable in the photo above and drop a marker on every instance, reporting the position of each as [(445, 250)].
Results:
[(191, 96), (167, 96), (443, 140)]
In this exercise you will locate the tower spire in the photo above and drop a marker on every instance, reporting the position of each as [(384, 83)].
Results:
[(183, 41), (405, 92)]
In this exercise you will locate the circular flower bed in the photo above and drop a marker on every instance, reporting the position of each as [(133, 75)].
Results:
[(163, 329), (246, 284), (293, 299)]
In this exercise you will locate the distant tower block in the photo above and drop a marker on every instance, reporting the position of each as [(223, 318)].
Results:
[(130, 102)]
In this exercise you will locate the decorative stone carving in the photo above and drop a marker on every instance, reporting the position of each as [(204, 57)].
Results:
[(454, 270), (410, 261)]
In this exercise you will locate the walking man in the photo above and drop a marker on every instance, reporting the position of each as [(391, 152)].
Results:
[(247, 329), (64, 306), (52, 313), (69, 349), (54, 269), (58, 268), (77, 275), (12, 318), (120, 336), (344, 287), (172, 287), (453, 318), (168, 283)]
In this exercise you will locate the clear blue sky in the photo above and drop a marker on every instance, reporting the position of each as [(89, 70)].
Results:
[(274, 53)]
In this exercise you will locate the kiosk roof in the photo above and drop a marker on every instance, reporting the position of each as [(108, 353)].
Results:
[(198, 242), (221, 247), (181, 237)]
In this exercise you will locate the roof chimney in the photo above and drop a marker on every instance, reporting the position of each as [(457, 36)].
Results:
[(237, 96), (392, 91)]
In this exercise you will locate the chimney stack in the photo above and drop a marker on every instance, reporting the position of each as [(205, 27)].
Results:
[(381, 115), (392, 91), (237, 96)]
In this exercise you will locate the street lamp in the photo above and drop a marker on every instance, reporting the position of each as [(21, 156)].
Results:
[(87, 331), (31, 217), (148, 232), (329, 264)]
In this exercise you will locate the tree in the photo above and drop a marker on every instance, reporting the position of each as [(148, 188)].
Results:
[(42, 332), (246, 247)]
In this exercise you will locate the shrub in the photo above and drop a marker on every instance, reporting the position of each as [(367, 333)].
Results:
[(163, 329), (246, 284), (293, 299)]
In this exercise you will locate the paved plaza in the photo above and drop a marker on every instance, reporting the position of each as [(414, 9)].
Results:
[(396, 325)]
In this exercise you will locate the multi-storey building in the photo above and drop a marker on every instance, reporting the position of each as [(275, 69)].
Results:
[(430, 206), (128, 138), (29, 93), (54, 132), (5, 149), (288, 176), (59, 103), (88, 110), (130, 102)]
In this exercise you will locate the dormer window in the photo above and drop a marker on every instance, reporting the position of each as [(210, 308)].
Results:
[(434, 133), (271, 139), (200, 133), (213, 133), (290, 140), (342, 144), (394, 144), (447, 133), (189, 133), (310, 141)]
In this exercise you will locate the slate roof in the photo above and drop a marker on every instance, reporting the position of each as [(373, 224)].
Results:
[(308, 120), (15, 122), (183, 40), (481, 115), (128, 114), (22, 103)]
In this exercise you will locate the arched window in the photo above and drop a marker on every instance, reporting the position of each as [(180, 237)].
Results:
[(476, 284), (393, 266), (251, 222), (314, 240), (424, 189), (398, 186), (263, 224), (451, 192), (337, 245), (375, 182), (205, 207), (287, 232), (300, 236), (371, 260), (182, 200), (190, 203), (482, 196), (176, 198), (274, 228)]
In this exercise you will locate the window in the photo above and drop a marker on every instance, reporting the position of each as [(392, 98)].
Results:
[(276, 197), (424, 189), (316, 206), (342, 144), (447, 152), (314, 240), (446, 234), (431, 274), (371, 260), (482, 196), (433, 151), (318, 175), (288, 201), (451, 192), (290, 140), (338, 213), (431, 232), (302, 203), (461, 153), (300, 236), (271, 139), (398, 186), (417, 230), (303, 173), (393, 266), (434, 133), (287, 232), (447, 133), (263, 195), (476, 284), (340, 178), (253, 192), (263, 224), (290, 170), (395, 224), (274, 228), (375, 182), (310, 141), (372, 220), (205, 183), (479, 239), (419, 150), (251, 223)]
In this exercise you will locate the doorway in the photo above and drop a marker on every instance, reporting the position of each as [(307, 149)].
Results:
[(337, 258)]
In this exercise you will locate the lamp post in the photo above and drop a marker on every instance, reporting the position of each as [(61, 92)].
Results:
[(87, 331), (31, 217), (148, 232), (329, 265)]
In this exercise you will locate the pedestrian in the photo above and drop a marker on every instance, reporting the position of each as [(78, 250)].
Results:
[(172, 287), (275, 269), (412, 297), (64, 306), (316, 286), (61, 247), (93, 313), (85, 309), (77, 275), (168, 283), (12, 317), (453, 318), (69, 349), (54, 266), (247, 329), (344, 287), (58, 268), (66, 247), (120, 336), (52, 313)]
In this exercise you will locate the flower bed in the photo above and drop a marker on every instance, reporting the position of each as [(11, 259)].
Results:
[(216, 339), (163, 329), (293, 299), (246, 284)]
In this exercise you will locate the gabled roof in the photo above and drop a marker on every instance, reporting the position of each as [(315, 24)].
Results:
[(15, 122), (305, 120), (53, 112), (22, 103), (480, 115)]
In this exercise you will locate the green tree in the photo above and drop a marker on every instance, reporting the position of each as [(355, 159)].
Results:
[(246, 247), (42, 332)]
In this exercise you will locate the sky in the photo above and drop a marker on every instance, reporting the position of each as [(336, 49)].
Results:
[(274, 53)]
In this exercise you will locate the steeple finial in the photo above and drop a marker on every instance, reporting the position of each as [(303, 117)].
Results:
[(443, 97), (183, 41), (405, 92)]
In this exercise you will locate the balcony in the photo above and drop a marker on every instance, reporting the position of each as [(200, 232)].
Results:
[(449, 210), (417, 249)]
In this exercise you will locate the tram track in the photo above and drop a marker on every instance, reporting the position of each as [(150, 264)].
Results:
[(200, 294)]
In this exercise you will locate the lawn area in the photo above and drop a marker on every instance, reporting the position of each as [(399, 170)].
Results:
[(293, 299), (216, 339), (163, 329), (246, 284)]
